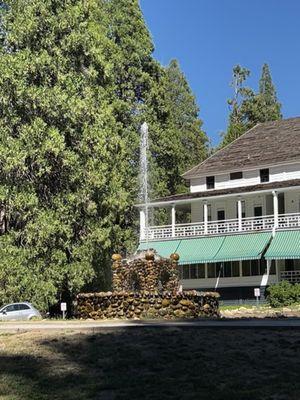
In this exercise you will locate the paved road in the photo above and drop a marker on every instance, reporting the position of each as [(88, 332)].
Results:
[(95, 325)]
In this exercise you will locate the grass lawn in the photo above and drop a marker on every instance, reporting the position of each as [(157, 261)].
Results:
[(151, 363)]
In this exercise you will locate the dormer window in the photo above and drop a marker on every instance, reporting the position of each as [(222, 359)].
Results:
[(210, 182), (236, 175), (264, 175)]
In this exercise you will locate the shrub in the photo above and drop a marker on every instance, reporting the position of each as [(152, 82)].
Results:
[(283, 294)]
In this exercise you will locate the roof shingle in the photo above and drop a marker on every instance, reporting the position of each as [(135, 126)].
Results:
[(264, 144)]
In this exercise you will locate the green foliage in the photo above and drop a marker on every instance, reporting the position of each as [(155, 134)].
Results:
[(248, 108), (76, 81), (283, 294), (237, 121), (183, 140), (62, 158)]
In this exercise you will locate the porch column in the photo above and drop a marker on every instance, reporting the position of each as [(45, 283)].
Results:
[(275, 206), (142, 225), (240, 212), (173, 219), (205, 217)]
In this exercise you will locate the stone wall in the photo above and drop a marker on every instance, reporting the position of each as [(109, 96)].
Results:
[(147, 272), (146, 304)]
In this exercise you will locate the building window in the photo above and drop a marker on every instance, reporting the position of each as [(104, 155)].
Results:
[(236, 175), (264, 175), (273, 268), (263, 266), (192, 271), (231, 269), (210, 182), (201, 271), (214, 270), (246, 268), (185, 272), (211, 270), (219, 270), (227, 269), (235, 268), (257, 267)]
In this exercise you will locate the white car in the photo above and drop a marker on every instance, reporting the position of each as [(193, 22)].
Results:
[(18, 311)]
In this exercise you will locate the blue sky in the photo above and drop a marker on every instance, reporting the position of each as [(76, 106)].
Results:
[(209, 37)]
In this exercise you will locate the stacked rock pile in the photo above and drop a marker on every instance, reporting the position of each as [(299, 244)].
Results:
[(147, 287), (145, 304), (145, 273)]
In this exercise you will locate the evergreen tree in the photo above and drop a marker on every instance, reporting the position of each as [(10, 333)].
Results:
[(183, 140), (270, 107), (62, 158), (238, 124), (77, 79), (248, 108), (138, 98), (147, 92)]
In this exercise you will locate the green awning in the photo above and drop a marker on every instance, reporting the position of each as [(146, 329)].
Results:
[(202, 250), (164, 248), (214, 249), (243, 247), (284, 245)]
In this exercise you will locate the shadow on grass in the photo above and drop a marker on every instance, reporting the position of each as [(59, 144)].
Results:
[(150, 363)]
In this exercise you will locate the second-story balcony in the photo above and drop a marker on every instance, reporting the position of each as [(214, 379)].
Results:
[(223, 227)]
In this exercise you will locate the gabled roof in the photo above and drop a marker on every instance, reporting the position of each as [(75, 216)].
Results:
[(264, 144)]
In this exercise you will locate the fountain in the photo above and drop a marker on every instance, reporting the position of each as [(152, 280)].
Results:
[(144, 182), (146, 285)]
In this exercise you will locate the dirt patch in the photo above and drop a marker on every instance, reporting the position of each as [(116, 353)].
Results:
[(151, 363)]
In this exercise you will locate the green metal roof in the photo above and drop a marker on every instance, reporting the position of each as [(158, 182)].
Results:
[(243, 247), (164, 248), (284, 245), (201, 250)]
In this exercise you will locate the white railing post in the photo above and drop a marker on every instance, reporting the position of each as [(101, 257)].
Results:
[(206, 227), (142, 225), (173, 219), (205, 215), (240, 211), (275, 206)]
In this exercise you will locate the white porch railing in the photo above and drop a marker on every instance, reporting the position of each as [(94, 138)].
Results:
[(290, 276), (289, 221), (229, 226)]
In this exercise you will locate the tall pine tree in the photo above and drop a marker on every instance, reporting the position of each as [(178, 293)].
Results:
[(237, 123), (248, 108), (269, 104), (76, 81), (62, 158), (183, 140)]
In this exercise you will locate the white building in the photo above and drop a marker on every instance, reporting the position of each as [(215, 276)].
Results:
[(244, 215)]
